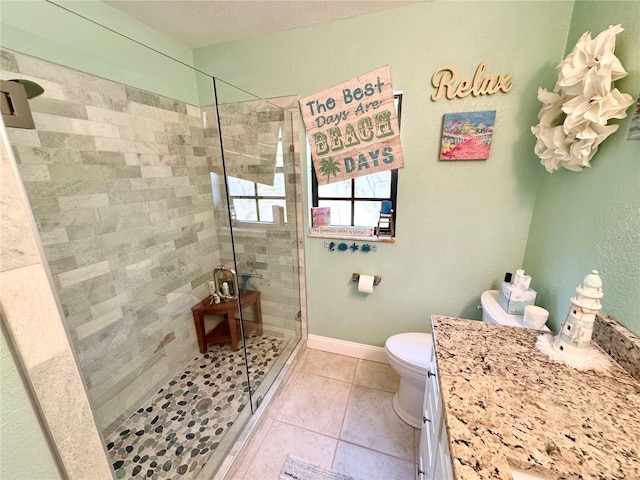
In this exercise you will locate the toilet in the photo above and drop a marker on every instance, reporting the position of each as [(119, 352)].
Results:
[(492, 312), (409, 355)]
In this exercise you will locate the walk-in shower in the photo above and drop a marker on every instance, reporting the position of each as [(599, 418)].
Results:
[(138, 197)]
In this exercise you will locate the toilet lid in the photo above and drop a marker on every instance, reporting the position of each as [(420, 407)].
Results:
[(413, 348)]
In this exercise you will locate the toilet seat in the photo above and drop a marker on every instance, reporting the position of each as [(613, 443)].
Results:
[(412, 350)]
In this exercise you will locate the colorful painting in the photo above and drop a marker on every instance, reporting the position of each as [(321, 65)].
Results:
[(467, 135), (634, 126)]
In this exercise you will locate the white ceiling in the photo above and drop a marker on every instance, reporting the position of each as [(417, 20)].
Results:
[(198, 23)]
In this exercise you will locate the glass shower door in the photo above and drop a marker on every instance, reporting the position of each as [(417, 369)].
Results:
[(260, 242)]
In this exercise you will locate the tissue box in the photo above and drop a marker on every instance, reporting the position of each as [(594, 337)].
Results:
[(513, 300)]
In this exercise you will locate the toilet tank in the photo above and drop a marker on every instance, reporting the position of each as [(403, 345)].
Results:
[(492, 312)]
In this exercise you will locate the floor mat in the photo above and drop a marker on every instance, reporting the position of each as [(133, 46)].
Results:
[(297, 469)]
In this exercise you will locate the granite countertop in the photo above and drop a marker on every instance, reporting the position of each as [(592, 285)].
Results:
[(507, 405)]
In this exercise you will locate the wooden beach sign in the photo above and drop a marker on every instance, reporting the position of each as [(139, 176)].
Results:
[(353, 128)]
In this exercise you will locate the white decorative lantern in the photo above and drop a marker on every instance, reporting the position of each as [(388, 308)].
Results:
[(572, 345)]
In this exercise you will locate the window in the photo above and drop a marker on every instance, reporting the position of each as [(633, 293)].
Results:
[(252, 201), (357, 202)]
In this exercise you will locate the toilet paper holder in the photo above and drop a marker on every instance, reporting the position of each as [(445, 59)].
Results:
[(356, 278)]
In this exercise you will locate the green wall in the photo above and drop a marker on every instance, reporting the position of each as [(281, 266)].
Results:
[(24, 449), (461, 225), (591, 219), (46, 31)]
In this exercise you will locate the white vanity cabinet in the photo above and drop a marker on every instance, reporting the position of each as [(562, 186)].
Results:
[(434, 459)]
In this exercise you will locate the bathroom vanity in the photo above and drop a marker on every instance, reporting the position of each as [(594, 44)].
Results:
[(496, 406)]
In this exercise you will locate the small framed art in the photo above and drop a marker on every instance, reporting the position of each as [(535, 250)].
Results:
[(467, 135)]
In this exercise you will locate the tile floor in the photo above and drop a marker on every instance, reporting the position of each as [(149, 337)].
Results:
[(334, 411)]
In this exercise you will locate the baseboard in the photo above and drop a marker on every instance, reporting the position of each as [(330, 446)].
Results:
[(350, 349)]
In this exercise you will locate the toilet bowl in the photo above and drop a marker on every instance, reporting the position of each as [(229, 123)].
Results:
[(409, 355)]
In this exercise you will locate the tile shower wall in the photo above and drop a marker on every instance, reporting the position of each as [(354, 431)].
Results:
[(34, 327), (118, 182), (271, 254), (250, 136)]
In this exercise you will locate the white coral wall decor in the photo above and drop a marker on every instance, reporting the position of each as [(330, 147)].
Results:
[(585, 97)]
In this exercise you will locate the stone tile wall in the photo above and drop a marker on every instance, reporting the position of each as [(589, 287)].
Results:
[(34, 325)]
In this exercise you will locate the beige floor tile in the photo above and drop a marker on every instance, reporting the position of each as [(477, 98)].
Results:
[(282, 440), (377, 375), (234, 476), (316, 403), (331, 365), (371, 422), (254, 442), (249, 451), (276, 404), (324, 393), (368, 464)]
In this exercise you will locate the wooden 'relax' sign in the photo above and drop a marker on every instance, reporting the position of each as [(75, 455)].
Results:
[(353, 128)]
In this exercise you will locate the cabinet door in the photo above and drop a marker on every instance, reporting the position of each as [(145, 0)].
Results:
[(420, 473), (434, 459), (434, 440), (429, 432), (433, 400), (430, 438), (444, 457)]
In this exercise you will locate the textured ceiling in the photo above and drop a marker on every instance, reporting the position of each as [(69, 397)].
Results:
[(207, 22)]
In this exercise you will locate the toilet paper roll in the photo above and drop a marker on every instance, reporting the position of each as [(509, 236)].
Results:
[(365, 284), (535, 316)]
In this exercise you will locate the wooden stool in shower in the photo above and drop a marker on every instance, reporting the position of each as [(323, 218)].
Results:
[(229, 329)]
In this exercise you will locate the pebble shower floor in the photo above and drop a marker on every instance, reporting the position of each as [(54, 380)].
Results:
[(173, 435)]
